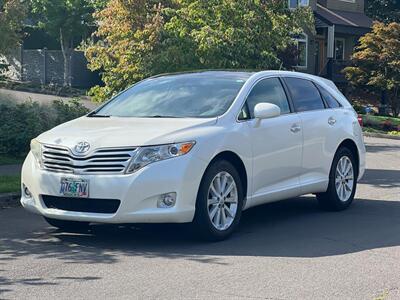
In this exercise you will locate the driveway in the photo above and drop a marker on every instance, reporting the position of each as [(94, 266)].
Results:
[(285, 250)]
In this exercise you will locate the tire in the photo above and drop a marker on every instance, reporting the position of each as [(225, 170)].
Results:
[(208, 205), (68, 226), (338, 198)]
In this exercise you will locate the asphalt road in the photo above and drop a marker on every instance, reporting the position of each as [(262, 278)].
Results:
[(285, 250)]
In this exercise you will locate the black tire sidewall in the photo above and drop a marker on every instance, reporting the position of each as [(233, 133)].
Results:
[(202, 221), (336, 202)]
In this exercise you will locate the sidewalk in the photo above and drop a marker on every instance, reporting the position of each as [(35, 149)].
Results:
[(20, 97), (10, 170)]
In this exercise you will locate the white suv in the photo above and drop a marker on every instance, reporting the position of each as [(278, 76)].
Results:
[(197, 147)]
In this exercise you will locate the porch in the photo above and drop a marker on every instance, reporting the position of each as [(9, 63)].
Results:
[(337, 35)]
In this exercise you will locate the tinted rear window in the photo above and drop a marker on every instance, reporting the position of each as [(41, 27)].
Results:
[(329, 99), (305, 95)]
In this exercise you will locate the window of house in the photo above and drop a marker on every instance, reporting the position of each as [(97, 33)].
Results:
[(339, 48), (305, 94), (268, 90), (298, 3), (301, 42)]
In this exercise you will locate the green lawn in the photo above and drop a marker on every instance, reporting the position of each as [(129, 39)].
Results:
[(372, 130), (9, 160), (380, 124), (9, 184), (395, 121), (381, 119)]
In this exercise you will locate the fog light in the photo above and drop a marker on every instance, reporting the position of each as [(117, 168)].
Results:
[(167, 200), (26, 191)]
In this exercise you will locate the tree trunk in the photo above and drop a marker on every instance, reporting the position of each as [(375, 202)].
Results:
[(396, 103), (66, 49)]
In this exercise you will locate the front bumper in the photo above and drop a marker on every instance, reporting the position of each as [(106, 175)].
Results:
[(138, 192)]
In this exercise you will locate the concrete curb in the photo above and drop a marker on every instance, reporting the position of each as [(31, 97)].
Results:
[(9, 200), (381, 135)]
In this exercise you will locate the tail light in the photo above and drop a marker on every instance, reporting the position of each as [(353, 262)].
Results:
[(360, 120)]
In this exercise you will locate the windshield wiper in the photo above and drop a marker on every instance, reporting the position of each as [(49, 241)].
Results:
[(94, 115), (160, 116)]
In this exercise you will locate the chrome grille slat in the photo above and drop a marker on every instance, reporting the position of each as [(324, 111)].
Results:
[(64, 156), (99, 161)]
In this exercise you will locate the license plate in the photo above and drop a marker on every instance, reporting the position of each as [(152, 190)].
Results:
[(73, 187)]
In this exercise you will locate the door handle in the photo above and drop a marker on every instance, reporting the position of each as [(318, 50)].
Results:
[(331, 121), (295, 128)]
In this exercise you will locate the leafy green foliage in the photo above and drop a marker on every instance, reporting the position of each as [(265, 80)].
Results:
[(72, 17), (376, 62), (65, 20), (395, 133), (12, 13), (140, 38), (23, 122)]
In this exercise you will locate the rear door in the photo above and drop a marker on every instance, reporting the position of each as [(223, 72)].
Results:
[(318, 124)]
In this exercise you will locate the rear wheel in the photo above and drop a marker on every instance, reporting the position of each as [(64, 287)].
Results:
[(342, 182), (219, 201), (68, 226)]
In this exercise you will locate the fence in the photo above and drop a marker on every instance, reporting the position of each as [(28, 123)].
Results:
[(42, 66)]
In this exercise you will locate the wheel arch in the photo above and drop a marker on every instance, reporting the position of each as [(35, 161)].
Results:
[(237, 162), (352, 146)]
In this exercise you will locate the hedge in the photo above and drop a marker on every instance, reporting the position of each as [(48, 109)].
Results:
[(22, 122)]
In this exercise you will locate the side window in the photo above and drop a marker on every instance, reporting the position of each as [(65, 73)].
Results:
[(305, 94), (244, 113), (268, 90), (332, 102)]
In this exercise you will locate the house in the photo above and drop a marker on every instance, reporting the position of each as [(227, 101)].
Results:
[(339, 24)]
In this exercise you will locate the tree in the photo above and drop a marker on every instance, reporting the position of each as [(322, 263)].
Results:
[(385, 11), (12, 13), (66, 20), (140, 38), (376, 62)]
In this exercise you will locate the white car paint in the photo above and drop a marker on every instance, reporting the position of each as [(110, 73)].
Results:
[(279, 163)]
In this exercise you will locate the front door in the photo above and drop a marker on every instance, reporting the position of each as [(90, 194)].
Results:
[(276, 143)]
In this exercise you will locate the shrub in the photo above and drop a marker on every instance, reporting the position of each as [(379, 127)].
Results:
[(359, 108), (396, 133), (22, 122)]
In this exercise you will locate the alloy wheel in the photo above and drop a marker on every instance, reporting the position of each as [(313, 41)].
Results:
[(222, 200), (344, 178)]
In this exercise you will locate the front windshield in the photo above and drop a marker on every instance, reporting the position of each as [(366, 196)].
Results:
[(198, 95)]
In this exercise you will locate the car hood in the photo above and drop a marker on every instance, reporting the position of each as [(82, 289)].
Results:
[(123, 132)]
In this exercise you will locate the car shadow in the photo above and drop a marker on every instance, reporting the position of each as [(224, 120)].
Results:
[(291, 228)]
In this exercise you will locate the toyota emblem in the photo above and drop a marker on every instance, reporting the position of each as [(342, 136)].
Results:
[(82, 147)]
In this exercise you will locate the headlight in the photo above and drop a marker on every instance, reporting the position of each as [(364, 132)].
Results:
[(36, 149), (151, 154)]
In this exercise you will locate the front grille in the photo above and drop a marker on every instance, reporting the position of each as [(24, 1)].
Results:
[(99, 161), (90, 205)]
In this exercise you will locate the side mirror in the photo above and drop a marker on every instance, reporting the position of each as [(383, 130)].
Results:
[(266, 111)]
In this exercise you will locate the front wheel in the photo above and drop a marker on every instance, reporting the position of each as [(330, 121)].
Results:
[(219, 201), (68, 226), (342, 182)]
